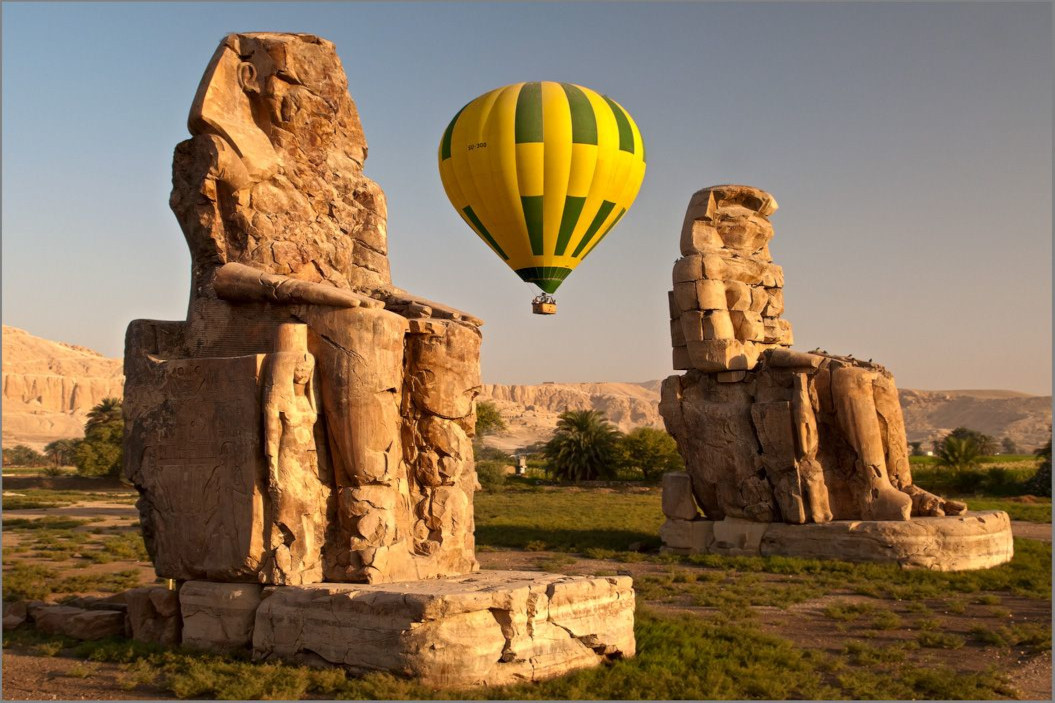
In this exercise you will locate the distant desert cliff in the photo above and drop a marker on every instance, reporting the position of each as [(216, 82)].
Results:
[(49, 387)]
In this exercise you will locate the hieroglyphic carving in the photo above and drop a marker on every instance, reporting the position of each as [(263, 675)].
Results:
[(200, 471)]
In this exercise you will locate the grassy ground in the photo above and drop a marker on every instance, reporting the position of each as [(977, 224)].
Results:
[(679, 658), (537, 518), (1002, 459), (707, 627)]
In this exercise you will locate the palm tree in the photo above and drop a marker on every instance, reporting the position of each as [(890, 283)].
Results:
[(959, 453), (986, 445), (584, 446), (109, 410)]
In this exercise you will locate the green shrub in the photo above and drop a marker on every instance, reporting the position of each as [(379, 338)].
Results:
[(940, 640), (1040, 484), (651, 452), (488, 419), (491, 474), (25, 581), (21, 455), (959, 453), (990, 480), (62, 451)]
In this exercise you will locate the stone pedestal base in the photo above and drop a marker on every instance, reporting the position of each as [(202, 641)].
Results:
[(489, 628), (976, 540)]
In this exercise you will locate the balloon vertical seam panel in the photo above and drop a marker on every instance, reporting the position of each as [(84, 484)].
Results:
[(542, 172)]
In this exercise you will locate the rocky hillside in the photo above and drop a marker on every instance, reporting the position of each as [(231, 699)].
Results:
[(1024, 418), (531, 411), (49, 387)]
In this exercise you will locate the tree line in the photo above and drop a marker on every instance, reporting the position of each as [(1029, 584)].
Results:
[(586, 447), (98, 453)]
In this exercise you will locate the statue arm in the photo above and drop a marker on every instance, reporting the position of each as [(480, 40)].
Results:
[(241, 283)]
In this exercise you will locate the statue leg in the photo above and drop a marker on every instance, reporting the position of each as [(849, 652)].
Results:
[(852, 391), (924, 503), (359, 352), (443, 379)]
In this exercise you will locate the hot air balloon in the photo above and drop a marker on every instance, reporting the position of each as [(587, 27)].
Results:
[(542, 172)]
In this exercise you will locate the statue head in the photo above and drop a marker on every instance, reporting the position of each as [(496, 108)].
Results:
[(266, 93), (273, 177)]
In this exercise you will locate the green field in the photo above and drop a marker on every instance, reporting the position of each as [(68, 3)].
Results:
[(707, 627)]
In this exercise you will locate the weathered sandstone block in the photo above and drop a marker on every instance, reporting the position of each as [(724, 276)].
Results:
[(490, 628), (218, 616), (154, 614), (678, 503), (78, 623), (687, 536)]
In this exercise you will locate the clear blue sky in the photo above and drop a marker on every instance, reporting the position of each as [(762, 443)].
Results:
[(909, 146)]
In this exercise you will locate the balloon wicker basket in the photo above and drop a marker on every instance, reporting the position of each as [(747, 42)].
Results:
[(544, 305)]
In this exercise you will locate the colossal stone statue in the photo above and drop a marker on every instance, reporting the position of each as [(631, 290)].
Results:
[(768, 434), (373, 479), (302, 442)]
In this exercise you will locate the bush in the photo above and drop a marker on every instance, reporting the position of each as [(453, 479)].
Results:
[(959, 453), (1040, 484), (21, 455), (491, 474), (990, 481), (650, 451), (62, 451), (985, 444), (488, 419)]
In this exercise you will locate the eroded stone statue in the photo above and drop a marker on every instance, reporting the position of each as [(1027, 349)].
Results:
[(771, 435), (369, 476), (302, 443)]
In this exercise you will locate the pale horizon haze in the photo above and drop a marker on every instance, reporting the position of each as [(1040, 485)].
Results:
[(908, 144)]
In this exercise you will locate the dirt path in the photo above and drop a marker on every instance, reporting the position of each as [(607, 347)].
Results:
[(1032, 530), (33, 677)]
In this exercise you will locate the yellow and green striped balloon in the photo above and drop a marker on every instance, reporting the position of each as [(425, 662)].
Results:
[(542, 172)]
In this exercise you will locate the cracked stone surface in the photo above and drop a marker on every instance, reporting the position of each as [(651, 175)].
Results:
[(488, 628)]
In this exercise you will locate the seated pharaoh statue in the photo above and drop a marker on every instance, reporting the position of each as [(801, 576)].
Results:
[(308, 421), (769, 434)]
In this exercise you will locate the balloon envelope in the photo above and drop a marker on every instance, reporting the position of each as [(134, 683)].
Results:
[(542, 172)]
